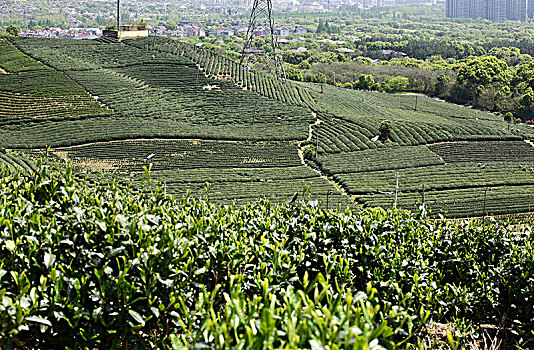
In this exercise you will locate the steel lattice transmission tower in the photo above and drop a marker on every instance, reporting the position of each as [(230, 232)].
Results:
[(261, 17)]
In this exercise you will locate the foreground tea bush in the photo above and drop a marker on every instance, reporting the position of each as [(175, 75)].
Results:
[(91, 265)]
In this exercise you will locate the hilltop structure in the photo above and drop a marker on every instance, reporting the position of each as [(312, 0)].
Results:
[(124, 31), (498, 10)]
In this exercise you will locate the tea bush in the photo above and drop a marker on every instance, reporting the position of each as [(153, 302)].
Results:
[(88, 265)]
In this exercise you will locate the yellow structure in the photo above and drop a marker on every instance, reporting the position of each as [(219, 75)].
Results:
[(125, 34)]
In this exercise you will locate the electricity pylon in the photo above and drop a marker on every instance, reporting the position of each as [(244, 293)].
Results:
[(261, 17)]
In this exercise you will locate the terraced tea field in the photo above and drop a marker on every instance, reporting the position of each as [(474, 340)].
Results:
[(16, 161), (385, 158), (32, 91), (498, 151), (227, 172), (351, 118), (467, 202), (451, 185), (208, 126)]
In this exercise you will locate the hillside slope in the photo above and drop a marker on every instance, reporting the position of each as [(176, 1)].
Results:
[(202, 119), (196, 131)]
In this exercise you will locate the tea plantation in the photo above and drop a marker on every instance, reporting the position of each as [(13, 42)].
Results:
[(91, 265), (234, 171), (207, 125), (188, 202)]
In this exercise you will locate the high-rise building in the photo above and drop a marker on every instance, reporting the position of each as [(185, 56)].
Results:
[(530, 9), (458, 8), (497, 10), (478, 8), (516, 10)]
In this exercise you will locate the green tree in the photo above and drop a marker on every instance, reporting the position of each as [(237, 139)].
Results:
[(171, 24), (386, 127), (526, 103), (294, 74), (363, 60), (321, 28), (441, 85), (479, 78), (305, 65), (508, 118), (365, 81), (294, 57), (483, 71), (319, 78), (397, 84), (12, 30)]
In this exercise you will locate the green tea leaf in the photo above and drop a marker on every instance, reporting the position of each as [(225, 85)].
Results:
[(49, 259), (102, 225), (315, 345), (137, 317), (39, 320), (10, 245)]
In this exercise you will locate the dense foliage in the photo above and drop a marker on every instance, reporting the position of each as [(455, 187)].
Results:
[(94, 266)]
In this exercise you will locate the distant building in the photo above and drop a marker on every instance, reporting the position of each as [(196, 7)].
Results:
[(283, 41), (497, 10), (222, 32), (125, 34), (72, 33), (516, 10), (178, 33), (344, 50), (282, 31), (302, 30), (198, 32)]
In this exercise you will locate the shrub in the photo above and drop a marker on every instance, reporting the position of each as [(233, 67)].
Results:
[(304, 65), (294, 74), (319, 78), (308, 152), (365, 81), (141, 25), (12, 30), (94, 266), (508, 116), (115, 269), (386, 127)]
